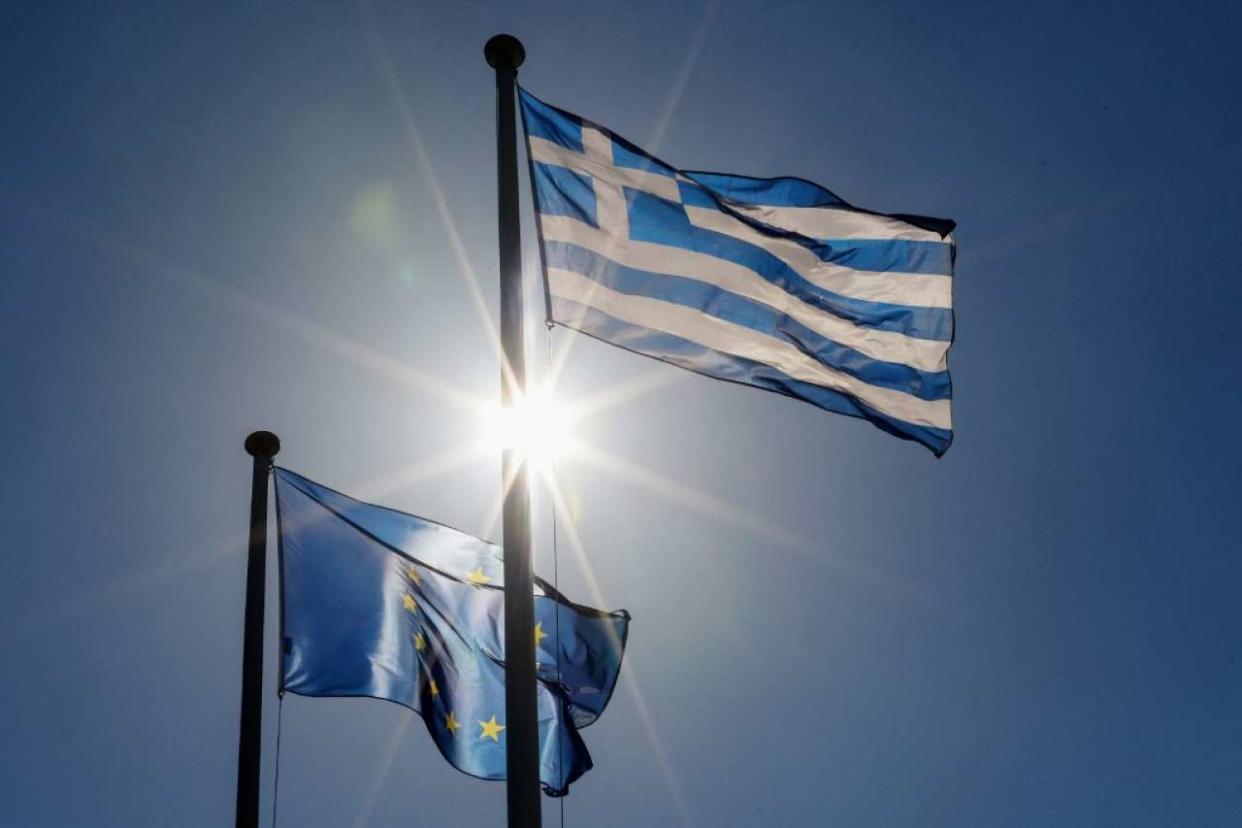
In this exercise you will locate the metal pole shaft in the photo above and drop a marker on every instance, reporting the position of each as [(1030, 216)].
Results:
[(262, 446), (504, 53)]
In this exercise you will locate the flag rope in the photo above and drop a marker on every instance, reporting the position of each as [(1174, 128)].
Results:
[(556, 585), (280, 720)]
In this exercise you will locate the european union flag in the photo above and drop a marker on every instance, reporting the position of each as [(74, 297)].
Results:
[(376, 602)]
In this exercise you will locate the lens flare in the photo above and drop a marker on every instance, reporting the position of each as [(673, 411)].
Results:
[(538, 426)]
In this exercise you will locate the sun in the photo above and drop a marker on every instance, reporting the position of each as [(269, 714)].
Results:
[(539, 426)]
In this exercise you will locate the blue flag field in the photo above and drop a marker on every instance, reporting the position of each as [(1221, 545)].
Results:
[(379, 603)]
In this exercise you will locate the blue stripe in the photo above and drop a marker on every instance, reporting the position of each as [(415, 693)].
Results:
[(652, 219), (697, 196), (775, 192), (694, 357), (559, 191), (548, 122), (877, 255), (887, 255), (627, 155), (730, 307)]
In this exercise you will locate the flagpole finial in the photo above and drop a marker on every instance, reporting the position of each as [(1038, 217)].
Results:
[(262, 444), (504, 51)]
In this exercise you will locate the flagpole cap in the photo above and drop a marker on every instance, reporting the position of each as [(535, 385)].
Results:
[(262, 444), (504, 51)]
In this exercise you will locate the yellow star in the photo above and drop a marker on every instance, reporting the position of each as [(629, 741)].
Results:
[(477, 577), (451, 723), (413, 573), (540, 635), (410, 603), (491, 730), (420, 643), (435, 690)]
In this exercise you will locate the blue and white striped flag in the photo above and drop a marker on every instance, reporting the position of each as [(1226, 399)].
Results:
[(775, 283)]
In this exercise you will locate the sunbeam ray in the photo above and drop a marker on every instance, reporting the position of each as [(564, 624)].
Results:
[(212, 553), (652, 731), (665, 118), (123, 588), (566, 521), (380, 775), (597, 595), (678, 88), (381, 364), (464, 269), (488, 525), (420, 471), (684, 495), (627, 391), (805, 548)]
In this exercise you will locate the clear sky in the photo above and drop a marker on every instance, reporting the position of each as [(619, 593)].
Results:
[(215, 220)]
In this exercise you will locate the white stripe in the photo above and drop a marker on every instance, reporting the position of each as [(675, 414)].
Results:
[(911, 289), (611, 209), (596, 144), (886, 346), (546, 152), (835, 223), (914, 289), (744, 342)]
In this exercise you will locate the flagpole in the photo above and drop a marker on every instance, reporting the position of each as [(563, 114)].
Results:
[(262, 446), (505, 54)]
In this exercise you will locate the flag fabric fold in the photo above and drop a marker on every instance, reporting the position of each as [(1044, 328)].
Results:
[(775, 283), (379, 603)]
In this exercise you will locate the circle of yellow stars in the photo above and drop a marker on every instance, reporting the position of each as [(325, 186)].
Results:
[(490, 729)]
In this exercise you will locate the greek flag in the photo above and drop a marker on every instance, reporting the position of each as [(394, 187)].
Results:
[(770, 282)]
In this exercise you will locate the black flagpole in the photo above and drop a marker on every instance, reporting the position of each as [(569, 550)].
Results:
[(262, 446), (505, 54)]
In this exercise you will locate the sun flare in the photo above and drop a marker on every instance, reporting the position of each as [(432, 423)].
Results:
[(539, 426)]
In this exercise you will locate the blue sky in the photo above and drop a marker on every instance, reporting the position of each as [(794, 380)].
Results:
[(216, 220)]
